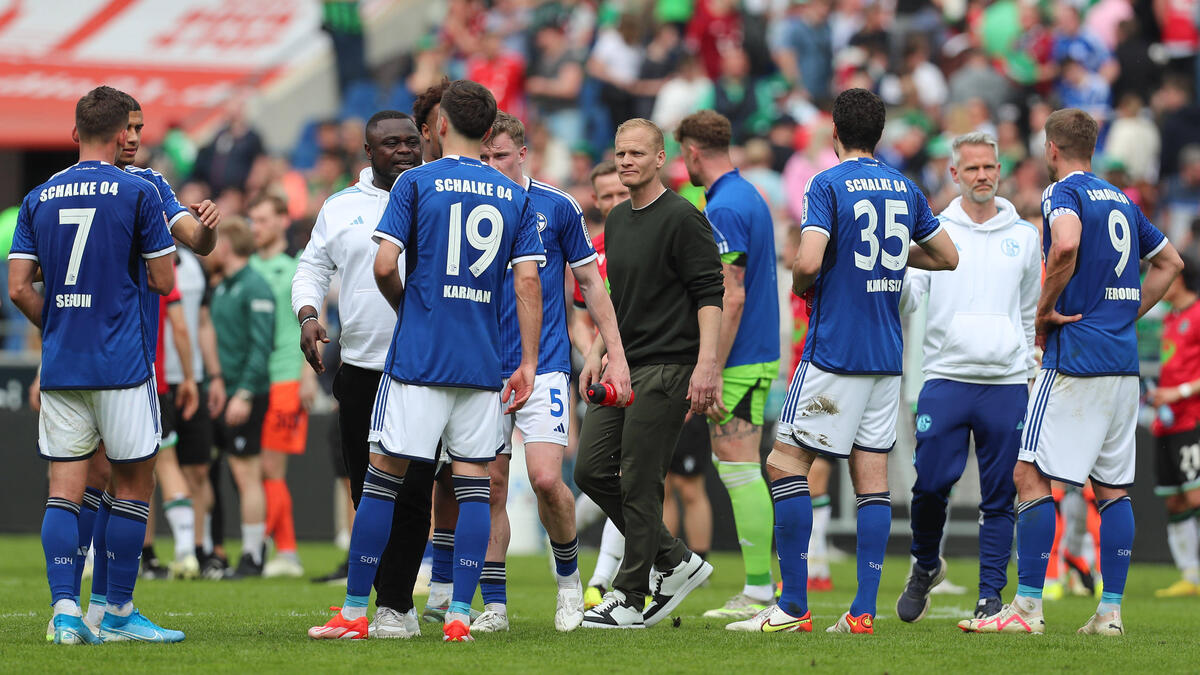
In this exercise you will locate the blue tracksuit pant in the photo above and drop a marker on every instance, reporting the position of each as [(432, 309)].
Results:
[(948, 413)]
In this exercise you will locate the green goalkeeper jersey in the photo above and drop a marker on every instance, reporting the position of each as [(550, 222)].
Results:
[(286, 358)]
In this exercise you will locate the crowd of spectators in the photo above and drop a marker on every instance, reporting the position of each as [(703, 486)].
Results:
[(573, 69)]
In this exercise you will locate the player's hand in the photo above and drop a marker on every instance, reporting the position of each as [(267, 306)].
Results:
[(187, 398), (237, 412), (207, 213), (702, 390), (35, 394), (717, 411), (216, 397), (616, 373), (592, 369), (1044, 323), (519, 388), (312, 334), (1165, 396)]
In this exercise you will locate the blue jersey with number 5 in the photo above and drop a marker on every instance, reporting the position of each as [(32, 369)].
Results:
[(1106, 286), (459, 223), (91, 228), (871, 213)]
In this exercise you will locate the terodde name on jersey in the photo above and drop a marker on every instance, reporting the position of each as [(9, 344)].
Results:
[(475, 187), (87, 188)]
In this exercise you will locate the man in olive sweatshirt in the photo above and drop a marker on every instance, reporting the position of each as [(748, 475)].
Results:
[(665, 277)]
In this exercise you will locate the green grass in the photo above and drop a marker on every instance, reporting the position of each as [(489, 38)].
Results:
[(258, 626)]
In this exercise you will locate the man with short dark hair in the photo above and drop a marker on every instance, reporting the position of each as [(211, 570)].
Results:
[(460, 224), (748, 347), (98, 235), (1082, 414), (859, 219), (663, 269), (341, 242), (425, 114)]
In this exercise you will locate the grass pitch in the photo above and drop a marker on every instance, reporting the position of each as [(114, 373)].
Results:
[(258, 626)]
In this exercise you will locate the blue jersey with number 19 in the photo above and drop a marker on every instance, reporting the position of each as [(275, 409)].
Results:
[(460, 224), (1106, 287), (870, 212), (91, 228), (564, 233)]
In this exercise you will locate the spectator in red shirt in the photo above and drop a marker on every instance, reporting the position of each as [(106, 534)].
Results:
[(501, 71)]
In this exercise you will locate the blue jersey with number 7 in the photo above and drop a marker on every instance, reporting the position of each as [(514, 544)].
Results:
[(460, 224), (871, 213), (91, 228), (1106, 285)]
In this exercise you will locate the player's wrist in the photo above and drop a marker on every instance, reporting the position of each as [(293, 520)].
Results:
[(1185, 390)]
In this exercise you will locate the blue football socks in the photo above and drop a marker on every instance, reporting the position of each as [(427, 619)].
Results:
[(793, 528)]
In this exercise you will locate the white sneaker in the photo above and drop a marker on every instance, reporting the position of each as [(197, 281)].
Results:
[(740, 607), (494, 619), (668, 589), (1009, 620), (568, 613), (1104, 624), (388, 623), (187, 567), (947, 587), (613, 612), (283, 566), (773, 620)]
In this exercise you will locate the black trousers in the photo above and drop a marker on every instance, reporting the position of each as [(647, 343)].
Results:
[(355, 389)]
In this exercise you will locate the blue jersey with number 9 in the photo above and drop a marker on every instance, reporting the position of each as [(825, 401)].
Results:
[(1106, 286), (91, 228), (871, 213), (459, 223)]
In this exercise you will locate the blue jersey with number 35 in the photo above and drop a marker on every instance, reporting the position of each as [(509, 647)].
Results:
[(91, 228), (870, 212), (1106, 286), (459, 223)]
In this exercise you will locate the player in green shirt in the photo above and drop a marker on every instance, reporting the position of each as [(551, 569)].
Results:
[(243, 317), (285, 429)]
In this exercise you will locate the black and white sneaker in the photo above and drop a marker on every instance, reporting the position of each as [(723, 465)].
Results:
[(613, 612), (988, 607), (914, 601), (668, 589)]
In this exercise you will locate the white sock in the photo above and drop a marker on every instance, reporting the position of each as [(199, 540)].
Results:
[(1074, 511), (497, 607), (1183, 540), (67, 606), (764, 593), (183, 525), (352, 613), (95, 612), (569, 580), (439, 593), (586, 512), (207, 545), (1107, 607), (818, 543), (1028, 605), (252, 540), (123, 610), (612, 550)]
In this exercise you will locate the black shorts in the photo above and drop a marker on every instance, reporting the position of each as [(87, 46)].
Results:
[(168, 415), (244, 440), (694, 450), (195, 446), (1177, 463)]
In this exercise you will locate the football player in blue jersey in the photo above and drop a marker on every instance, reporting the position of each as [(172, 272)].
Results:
[(96, 285), (459, 224), (859, 219), (545, 420), (1082, 413)]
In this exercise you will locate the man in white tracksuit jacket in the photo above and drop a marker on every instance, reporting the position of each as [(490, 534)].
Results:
[(979, 358), (341, 243)]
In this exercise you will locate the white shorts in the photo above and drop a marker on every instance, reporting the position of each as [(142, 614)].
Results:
[(1081, 427), (545, 417), (828, 413), (408, 420), (73, 422)]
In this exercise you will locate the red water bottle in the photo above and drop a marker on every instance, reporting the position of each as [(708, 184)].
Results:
[(603, 393)]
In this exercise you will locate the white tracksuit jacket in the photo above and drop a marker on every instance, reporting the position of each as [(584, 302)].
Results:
[(979, 323), (341, 242)]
